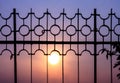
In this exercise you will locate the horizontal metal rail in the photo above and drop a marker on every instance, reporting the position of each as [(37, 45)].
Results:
[(57, 42)]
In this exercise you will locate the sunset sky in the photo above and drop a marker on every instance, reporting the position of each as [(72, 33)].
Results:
[(55, 7)]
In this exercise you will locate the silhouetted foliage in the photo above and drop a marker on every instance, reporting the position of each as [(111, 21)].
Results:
[(116, 52), (109, 53), (11, 57), (117, 64)]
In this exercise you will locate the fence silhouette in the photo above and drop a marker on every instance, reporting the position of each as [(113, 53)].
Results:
[(62, 30)]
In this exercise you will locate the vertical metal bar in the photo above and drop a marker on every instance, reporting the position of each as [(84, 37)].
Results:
[(63, 46), (31, 44), (95, 48), (15, 48), (31, 63), (111, 46), (78, 70), (111, 68), (78, 44), (47, 13), (63, 65)]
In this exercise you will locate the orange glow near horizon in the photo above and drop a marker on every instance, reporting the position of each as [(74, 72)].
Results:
[(54, 58)]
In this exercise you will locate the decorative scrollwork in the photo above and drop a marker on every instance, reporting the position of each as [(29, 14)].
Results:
[(68, 31)]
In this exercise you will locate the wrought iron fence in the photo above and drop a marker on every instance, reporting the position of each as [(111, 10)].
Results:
[(94, 30)]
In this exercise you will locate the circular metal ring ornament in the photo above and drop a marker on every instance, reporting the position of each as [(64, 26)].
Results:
[(55, 30), (39, 30), (24, 30), (117, 29), (6, 30), (104, 30), (86, 30), (71, 30)]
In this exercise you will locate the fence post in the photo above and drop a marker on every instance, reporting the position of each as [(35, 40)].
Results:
[(15, 53), (95, 44), (111, 13), (63, 46)]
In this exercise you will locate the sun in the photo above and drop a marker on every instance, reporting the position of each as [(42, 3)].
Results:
[(54, 58)]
